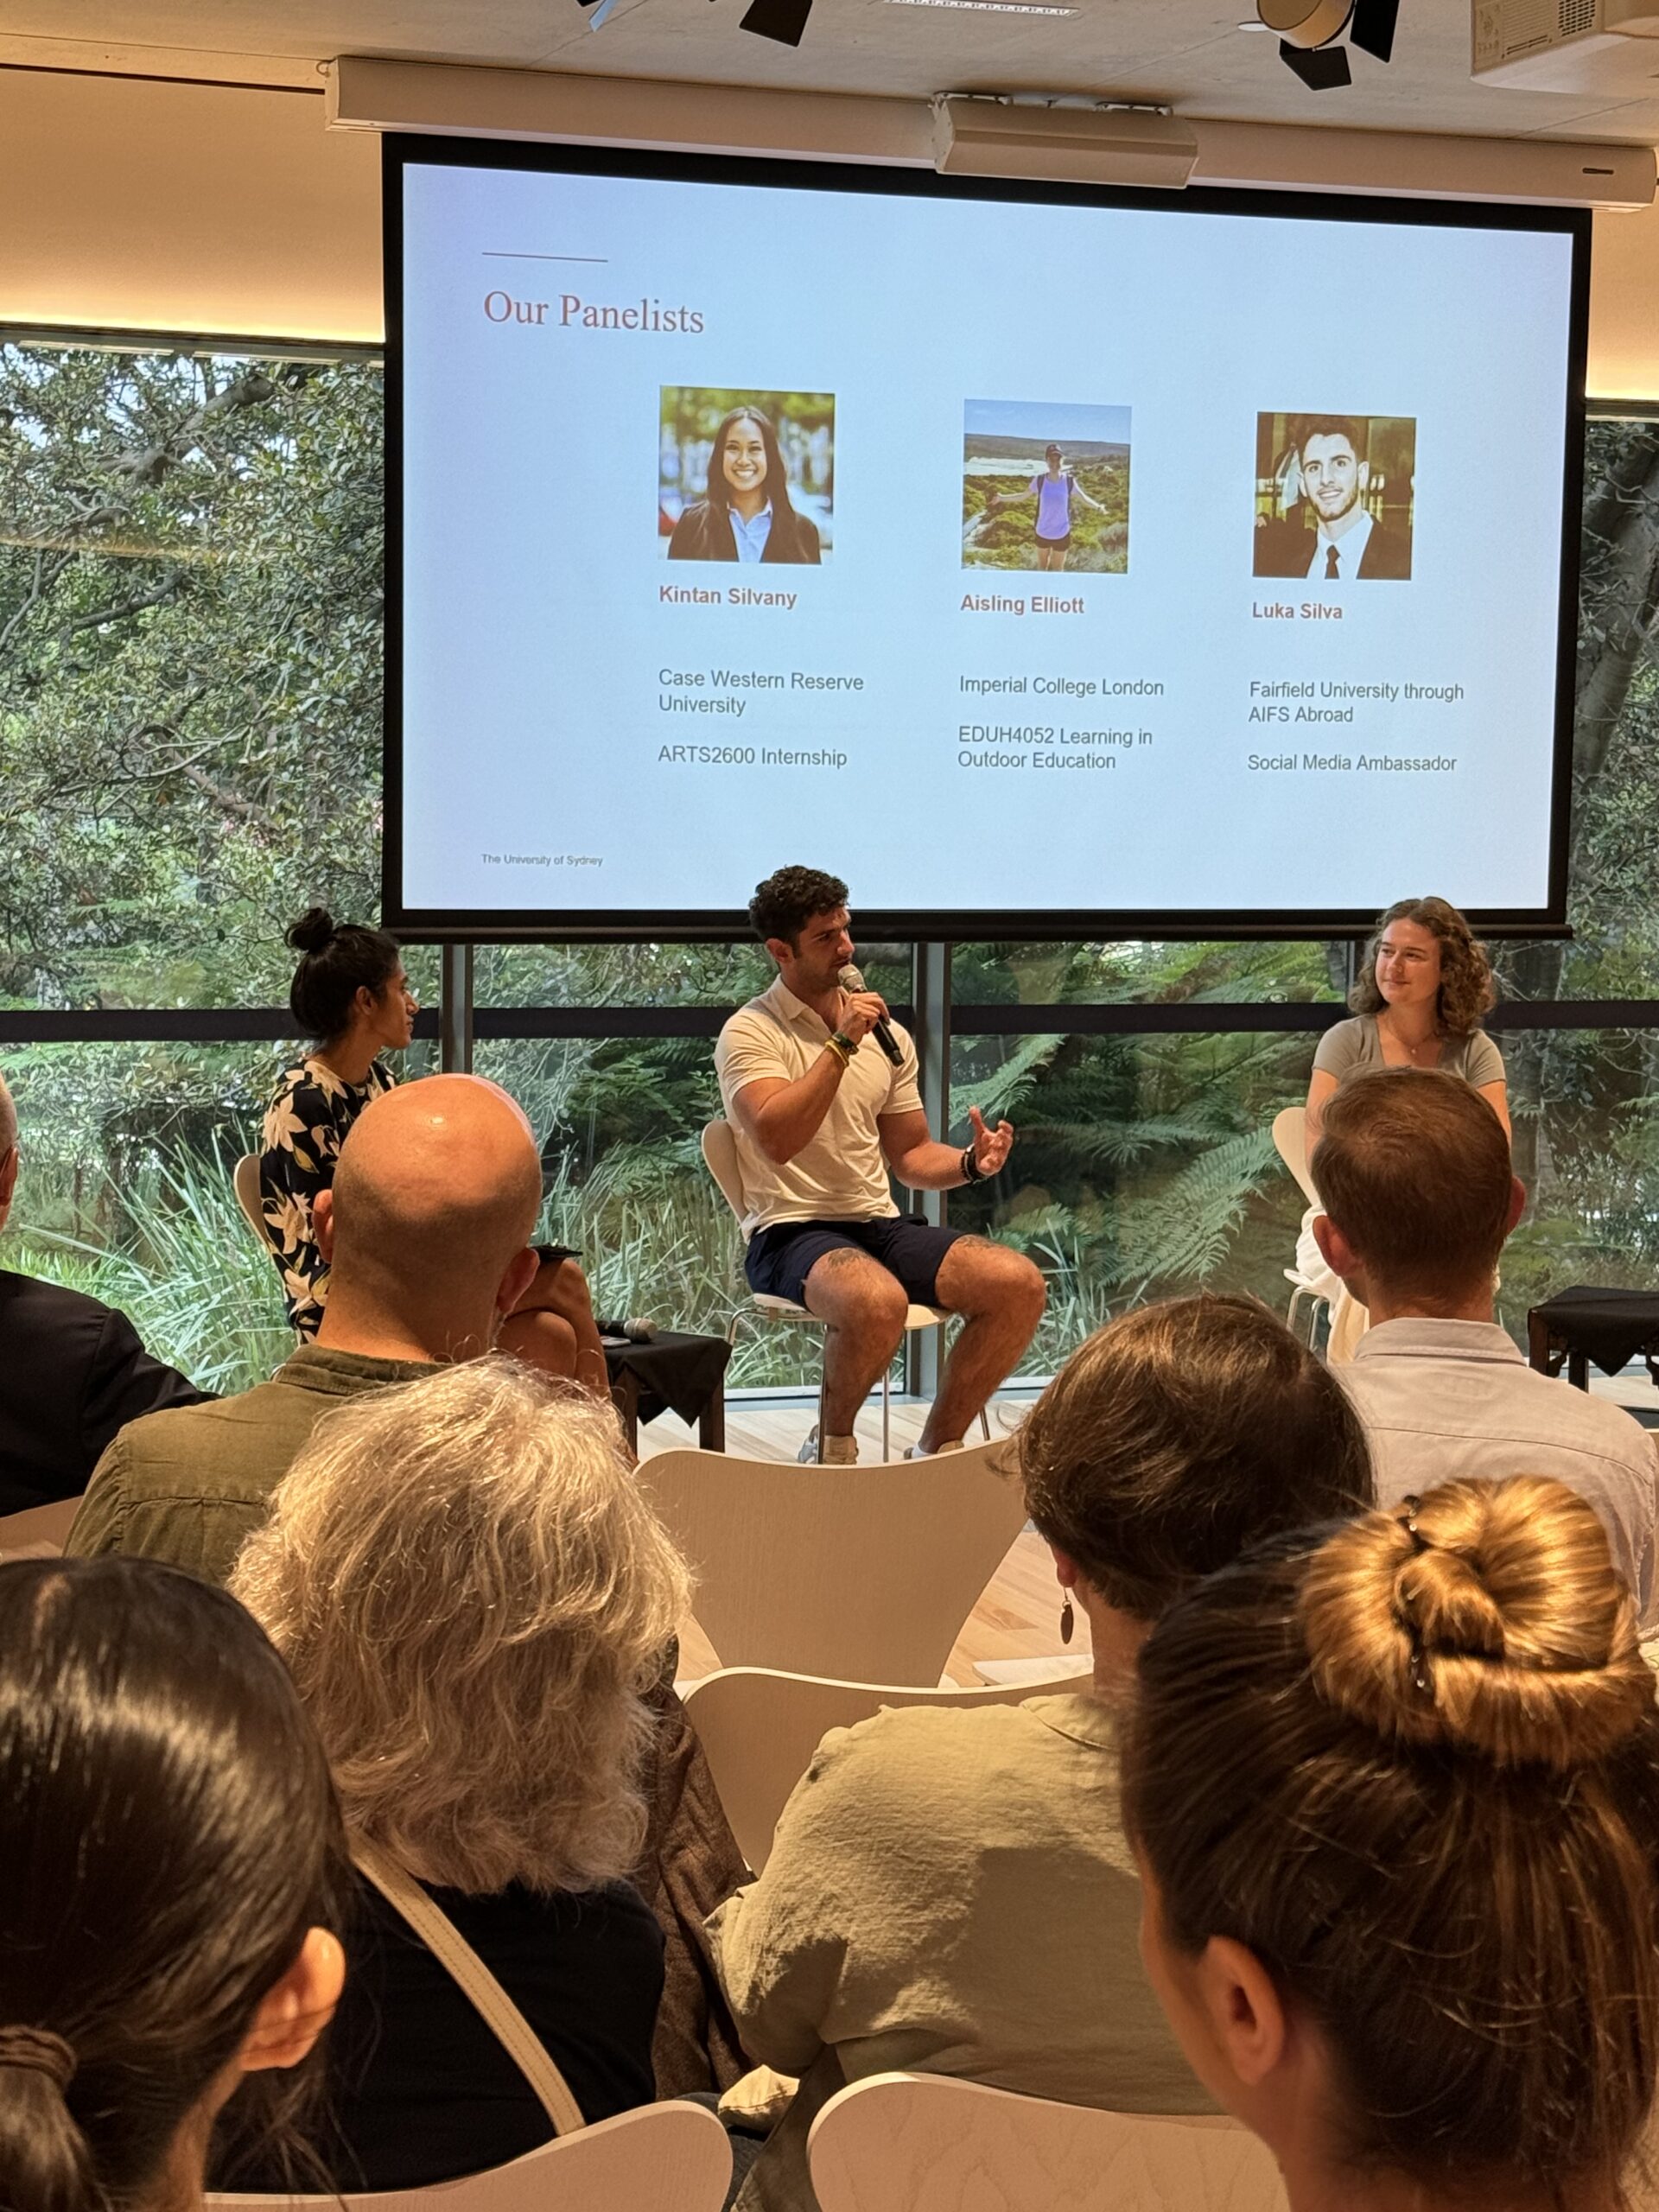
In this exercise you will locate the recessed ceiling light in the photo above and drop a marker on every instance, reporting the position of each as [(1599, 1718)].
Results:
[(990, 7)]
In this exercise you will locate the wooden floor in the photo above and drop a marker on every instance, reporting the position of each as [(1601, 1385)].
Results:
[(1018, 1614)]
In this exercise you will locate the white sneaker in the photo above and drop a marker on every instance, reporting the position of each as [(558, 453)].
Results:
[(915, 1451), (838, 1451)]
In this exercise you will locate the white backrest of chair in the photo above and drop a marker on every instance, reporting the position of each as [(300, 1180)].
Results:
[(246, 1178), (759, 1729), (862, 1574), (720, 1157), (665, 2158), (47, 1525), (1290, 1141), (923, 2143)]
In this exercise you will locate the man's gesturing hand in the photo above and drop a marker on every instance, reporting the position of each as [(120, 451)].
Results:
[(991, 1147)]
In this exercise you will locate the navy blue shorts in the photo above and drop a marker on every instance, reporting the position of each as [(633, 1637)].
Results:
[(780, 1258)]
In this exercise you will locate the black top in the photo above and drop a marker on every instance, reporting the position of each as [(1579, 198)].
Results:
[(1287, 549), (704, 533), (72, 1373), (420, 2088)]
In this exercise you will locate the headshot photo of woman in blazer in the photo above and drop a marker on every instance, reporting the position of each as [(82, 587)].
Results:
[(746, 511)]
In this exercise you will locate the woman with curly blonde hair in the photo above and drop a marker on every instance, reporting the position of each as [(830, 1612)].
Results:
[(473, 1597), (1423, 986)]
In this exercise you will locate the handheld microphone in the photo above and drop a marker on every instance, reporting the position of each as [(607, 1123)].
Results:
[(850, 980), (636, 1332)]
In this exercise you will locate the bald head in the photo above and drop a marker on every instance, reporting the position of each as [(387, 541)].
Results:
[(434, 1197)]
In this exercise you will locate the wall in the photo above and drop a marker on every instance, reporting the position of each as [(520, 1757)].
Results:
[(1625, 307), (135, 204)]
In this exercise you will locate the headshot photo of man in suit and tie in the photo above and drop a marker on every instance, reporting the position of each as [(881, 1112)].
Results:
[(1333, 496)]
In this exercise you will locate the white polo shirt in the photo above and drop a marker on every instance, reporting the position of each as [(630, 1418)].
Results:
[(842, 1175), (1445, 1398)]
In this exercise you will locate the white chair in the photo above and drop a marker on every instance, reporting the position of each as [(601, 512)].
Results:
[(759, 1729), (1290, 1142), (246, 1178), (863, 1573), (665, 2158), (925, 2143), (38, 1528), (720, 1157)]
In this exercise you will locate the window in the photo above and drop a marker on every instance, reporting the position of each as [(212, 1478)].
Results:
[(190, 598)]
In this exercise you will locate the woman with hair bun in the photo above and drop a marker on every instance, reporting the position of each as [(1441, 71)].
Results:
[(171, 1872), (1394, 1791), (351, 994), (1424, 984)]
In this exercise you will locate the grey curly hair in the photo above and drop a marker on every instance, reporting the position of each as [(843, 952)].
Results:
[(473, 1597)]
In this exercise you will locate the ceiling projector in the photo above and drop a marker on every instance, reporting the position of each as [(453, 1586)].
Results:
[(1568, 46), (1309, 31)]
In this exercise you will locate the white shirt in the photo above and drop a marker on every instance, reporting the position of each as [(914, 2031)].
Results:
[(750, 537), (842, 1174), (1351, 550), (1441, 1399)]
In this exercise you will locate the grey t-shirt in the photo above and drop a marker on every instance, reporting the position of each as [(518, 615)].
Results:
[(1354, 1048)]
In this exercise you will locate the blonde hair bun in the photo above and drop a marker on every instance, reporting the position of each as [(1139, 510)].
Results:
[(1486, 1617)]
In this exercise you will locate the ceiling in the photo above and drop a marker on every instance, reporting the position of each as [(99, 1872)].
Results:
[(1189, 54)]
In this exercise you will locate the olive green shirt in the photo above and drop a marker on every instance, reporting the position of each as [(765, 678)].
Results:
[(951, 1893), (191, 1484)]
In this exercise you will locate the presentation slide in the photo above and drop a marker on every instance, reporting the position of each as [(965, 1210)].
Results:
[(1003, 556)]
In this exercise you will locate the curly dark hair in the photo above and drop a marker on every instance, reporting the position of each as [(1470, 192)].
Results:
[(1466, 985), (784, 904)]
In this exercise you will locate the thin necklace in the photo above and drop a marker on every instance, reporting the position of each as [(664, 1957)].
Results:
[(1433, 1040)]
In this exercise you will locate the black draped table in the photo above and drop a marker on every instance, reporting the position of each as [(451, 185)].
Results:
[(1608, 1326), (674, 1373)]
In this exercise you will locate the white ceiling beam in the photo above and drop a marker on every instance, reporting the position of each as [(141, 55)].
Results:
[(367, 94)]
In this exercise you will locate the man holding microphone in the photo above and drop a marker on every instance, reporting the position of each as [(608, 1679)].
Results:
[(819, 1085)]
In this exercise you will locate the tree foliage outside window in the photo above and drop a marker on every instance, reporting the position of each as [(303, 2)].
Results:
[(190, 698), (190, 680)]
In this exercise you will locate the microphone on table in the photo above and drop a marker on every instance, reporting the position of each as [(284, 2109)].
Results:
[(850, 980)]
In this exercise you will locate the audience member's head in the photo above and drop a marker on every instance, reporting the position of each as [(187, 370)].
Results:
[(1435, 926), (9, 1154), (170, 1865), (1176, 1436), (472, 1596), (346, 971), (1396, 1792), (1418, 1195), (426, 1226)]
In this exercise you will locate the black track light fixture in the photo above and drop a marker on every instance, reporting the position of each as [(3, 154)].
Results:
[(1309, 31), (783, 20)]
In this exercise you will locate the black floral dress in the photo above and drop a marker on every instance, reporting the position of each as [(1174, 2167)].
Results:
[(305, 1126)]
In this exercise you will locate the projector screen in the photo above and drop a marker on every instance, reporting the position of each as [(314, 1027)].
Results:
[(1044, 562)]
